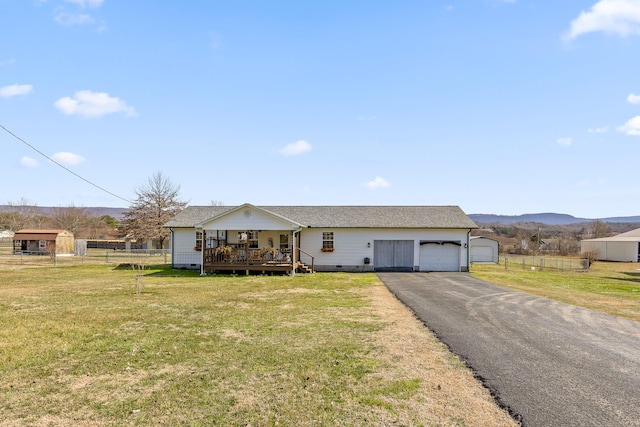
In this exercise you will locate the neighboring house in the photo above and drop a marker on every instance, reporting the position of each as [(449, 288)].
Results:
[(43, 242), (286, 239), (622, 247), (484, 249)]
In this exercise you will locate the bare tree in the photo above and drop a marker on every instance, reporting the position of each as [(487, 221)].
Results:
[(567, 244), (101, 228), (599, 229), (156, 203), (74, 219), (18, 215)]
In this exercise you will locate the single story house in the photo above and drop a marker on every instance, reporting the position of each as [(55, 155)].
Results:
[(623, 247), (484, 249), (287, 239), (43, 242)]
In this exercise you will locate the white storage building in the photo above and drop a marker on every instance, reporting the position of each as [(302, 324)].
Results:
[(623, 247), (484, 249)]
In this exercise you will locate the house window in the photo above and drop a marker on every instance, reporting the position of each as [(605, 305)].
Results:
[(198, 239), (253, 240), (327, 240), (251, 236), (284, 242)]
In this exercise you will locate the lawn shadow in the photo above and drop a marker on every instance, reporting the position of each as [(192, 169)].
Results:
[(634, 278), (158, 270)]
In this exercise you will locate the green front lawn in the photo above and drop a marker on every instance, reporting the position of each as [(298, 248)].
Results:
[(608, 287), (79, 347)]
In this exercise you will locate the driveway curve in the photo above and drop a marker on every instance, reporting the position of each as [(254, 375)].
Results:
[(548, 363)]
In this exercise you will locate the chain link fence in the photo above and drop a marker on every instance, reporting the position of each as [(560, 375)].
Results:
[(90, 256), (526, 262)]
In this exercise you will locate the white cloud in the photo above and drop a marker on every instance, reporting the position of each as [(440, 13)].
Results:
[(633, 98), (376, 183), (28, 162), (14, 90), (69, 19), (67, 159), (620, 17), (86, 3), (631, 127), (565, 142), (93, 104), (603, 129), (296, 148)]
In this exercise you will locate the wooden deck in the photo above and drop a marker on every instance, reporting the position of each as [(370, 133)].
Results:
[(236, 260)]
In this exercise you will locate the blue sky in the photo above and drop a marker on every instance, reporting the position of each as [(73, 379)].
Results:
[(504, 107)]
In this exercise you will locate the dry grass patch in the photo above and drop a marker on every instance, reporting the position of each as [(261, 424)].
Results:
[(422, 376)]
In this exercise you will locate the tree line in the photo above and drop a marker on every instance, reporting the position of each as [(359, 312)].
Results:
[(156, 202), (537, 238)]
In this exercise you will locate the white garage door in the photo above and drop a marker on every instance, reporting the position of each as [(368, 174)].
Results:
[(439, 256), (481, 254)]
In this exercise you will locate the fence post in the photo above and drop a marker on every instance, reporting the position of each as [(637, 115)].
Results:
[(107, 256)]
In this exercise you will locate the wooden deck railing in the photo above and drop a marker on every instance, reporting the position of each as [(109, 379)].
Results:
[(245, 256)]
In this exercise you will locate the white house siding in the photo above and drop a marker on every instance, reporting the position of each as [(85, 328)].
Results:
[(248, 219), (352, 246), (183, 254)]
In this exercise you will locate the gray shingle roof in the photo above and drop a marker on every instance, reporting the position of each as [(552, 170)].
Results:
[(344, 216)]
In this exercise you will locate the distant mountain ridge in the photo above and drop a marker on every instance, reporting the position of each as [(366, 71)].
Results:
[(117, 213), (545, 218)]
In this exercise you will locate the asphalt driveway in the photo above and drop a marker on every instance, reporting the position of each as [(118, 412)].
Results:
[(549, 363)]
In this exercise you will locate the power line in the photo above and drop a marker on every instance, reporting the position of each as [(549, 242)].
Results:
[(62, 166)]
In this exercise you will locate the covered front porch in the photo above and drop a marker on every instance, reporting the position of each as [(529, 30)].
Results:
[(253, 252), (248, 240)]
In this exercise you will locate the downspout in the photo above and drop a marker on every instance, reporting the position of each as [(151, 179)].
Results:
[(294, 253), (468, 244)]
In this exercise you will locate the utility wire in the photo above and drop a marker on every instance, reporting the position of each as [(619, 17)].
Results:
[(62, 166)]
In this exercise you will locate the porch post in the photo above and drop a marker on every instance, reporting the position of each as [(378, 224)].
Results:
[(202, 250)]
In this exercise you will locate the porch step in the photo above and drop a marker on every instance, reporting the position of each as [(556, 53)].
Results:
[(301, 267)]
